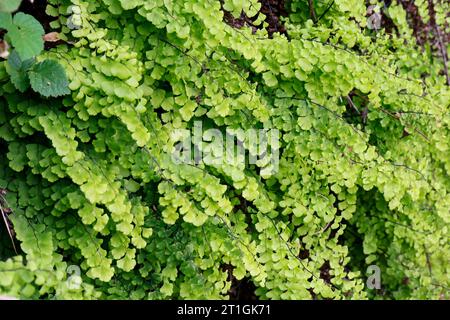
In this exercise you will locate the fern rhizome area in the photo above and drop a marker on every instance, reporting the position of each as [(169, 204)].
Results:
[(93, 205)]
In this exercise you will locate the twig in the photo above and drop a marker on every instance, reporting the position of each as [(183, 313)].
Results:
[(312, 11), (10, 233), (440, 44), (427, 255), (326, 10), (350, 102)]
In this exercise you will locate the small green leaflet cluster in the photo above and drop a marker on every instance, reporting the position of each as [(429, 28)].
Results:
[(92, 184), (25, 34)]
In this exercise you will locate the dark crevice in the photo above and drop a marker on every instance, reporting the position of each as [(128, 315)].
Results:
[(325, 272), (8, 244), (240, 289), (274, 10)]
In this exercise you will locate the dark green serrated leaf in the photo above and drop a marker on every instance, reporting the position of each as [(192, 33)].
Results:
[(26, 34), (9, 5), (17, 70), (49, 79)]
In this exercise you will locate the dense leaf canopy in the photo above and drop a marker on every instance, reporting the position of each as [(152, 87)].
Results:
[(364, 153)]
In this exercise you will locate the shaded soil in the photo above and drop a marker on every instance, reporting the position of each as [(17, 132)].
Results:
[(240, 289), (37, 10), (274, 10)]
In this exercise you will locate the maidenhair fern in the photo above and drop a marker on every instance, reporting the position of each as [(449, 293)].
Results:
[(363, 123)]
